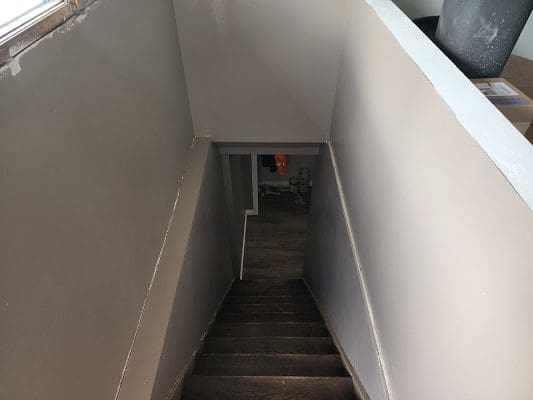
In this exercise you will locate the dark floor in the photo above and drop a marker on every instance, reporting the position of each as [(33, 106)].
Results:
[(275, 239)]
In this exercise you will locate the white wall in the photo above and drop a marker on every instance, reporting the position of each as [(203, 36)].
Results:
[(445, 242), (330, 270), (524, 46), (261, 71), (95, 132), (421, 8)]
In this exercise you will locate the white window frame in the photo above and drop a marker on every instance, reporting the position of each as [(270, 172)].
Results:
[(23, 32)]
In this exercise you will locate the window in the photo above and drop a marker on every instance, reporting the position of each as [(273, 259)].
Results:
[(22, 22), (16, 13)]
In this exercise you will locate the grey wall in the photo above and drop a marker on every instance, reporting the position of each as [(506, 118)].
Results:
[(205, 276), (444, 240), (193, 273), (238, 186), (421, 8), (261, 71), (330, 271), (94, 134)]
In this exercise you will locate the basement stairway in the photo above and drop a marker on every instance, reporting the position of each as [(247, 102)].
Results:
[(268, 341)]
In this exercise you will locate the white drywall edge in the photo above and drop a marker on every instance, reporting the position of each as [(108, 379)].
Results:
[(509, 149)]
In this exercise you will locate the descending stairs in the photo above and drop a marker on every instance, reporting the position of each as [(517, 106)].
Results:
[(268, 342)]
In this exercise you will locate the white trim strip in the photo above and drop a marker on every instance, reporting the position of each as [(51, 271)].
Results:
[(246, 213), (361, 276), (508, 149), (255, 186)]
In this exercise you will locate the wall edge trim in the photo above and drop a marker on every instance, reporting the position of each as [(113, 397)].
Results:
[(156, 266), (358, 384), (361, 276), (508, 150), (175, 388)]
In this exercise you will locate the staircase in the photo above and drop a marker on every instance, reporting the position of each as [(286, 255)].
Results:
[(268, 342)]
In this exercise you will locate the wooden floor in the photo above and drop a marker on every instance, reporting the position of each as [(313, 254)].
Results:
[(519, 71), (275, 239)]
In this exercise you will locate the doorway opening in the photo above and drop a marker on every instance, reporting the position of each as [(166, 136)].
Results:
[(268, 195)]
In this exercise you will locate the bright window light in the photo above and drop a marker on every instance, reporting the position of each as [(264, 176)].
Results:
[(14, 13)]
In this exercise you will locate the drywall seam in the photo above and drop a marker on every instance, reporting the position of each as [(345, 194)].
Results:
[(505, 146), (154, 274), (361, 276), (246, 213), (175, 387), (350, 366)]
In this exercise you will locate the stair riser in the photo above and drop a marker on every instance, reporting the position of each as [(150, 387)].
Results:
[(269, 345), (280, 291), (269, 365), (270, 317), (269, 330), (254, 388), (268, 299), (269, 283), (265, 308)]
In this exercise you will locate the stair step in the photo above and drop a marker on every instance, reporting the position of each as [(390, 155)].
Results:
[(302, 299), (269, 283), (269, 365), (269, 345), (273, 307), (270, 317), (266, 329), (266, 388), (281, 290)]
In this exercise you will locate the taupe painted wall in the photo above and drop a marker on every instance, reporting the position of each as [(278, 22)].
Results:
[(205, 276), (421, 8), (240, 188), (94, 134), (262, 71), (330, 270), (445, 242)]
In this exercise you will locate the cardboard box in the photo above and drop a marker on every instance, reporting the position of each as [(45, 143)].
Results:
[(514, 104)]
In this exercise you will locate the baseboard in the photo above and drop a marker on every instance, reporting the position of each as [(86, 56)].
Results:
[(175, 390), (357, 384)]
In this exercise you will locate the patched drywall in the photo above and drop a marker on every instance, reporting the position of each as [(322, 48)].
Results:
[(95, 131), (445, 241)]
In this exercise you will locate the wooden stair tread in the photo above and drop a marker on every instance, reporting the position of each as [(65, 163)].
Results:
[(269, 365), (291, 329), (267, 388), (232, 299), (271, 317), (269, 345), (269, 307), (268, 341)]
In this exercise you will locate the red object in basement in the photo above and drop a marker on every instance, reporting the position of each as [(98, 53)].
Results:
[(281, 163)]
